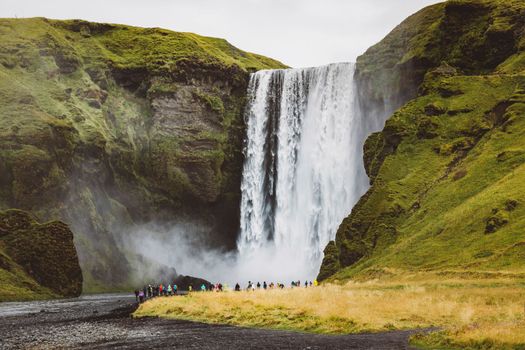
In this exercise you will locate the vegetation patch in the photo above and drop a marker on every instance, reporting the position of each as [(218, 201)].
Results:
[(469, 312)]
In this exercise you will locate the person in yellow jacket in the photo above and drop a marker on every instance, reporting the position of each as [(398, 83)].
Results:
[(316, 283)]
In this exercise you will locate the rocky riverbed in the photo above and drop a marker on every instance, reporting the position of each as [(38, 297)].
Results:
[(104, 321)]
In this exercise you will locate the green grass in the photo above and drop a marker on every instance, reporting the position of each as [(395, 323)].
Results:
[(16, 284), (161, 49), (476, 312)]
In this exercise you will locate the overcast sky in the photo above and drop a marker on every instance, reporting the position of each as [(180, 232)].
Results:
[(299, 33)]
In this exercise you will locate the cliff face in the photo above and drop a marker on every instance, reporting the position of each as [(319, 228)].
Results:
[(447, 172), (106, 126), (36, 260), (474, 36)]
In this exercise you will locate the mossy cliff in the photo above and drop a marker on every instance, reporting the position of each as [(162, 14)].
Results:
[(36, 260), (447, 172), (106, 126)]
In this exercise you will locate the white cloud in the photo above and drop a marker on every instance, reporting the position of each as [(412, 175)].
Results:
[(298, 32)]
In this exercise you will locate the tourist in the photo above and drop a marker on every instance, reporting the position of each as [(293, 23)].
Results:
[(141, 296), (265, 286), (203, 287), (237, 287), (137, 295), (174, 288), (170, 290), (258, 285)]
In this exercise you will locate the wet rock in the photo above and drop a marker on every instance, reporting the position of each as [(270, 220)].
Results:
[(427, 129), (94, 103), (433, 109), (183, 282), (511, 204), (66, 61), (330, 263), (497, 220), (459, 174), (459, 111)]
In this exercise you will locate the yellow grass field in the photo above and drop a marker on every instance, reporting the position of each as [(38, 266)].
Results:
[(477, 313)]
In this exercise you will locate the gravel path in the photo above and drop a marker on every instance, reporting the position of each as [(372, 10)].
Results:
[(103, 321)]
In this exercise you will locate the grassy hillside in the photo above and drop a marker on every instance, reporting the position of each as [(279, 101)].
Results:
[(77, 42), (474, 36), (105, 126), (448, 170)]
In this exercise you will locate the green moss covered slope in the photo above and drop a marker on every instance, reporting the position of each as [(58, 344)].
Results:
[(36, 260), (448, 170), (106, 126)]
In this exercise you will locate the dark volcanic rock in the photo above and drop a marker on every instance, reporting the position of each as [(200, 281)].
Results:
[(183, 282), (330, 263)]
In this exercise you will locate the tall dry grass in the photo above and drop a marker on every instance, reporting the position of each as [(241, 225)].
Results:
[(470, 312)]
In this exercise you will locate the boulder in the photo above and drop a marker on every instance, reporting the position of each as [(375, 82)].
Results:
[(45, 252)]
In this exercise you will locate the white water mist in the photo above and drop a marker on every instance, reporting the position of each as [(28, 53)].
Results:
[(303, 168)]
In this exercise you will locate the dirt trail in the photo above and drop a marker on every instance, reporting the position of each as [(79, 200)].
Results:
[(103, 321)]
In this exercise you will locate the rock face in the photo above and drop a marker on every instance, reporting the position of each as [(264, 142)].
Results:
[(36, 260), (106, 126), (448, 161), (471, 36), (184, 282)]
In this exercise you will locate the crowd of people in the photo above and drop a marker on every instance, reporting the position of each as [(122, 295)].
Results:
[(152, 291)]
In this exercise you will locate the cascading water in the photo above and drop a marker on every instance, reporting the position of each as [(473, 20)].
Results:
[(303, 168)]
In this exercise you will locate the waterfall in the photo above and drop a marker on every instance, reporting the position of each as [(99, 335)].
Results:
[(303, 169)]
